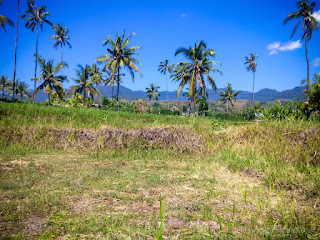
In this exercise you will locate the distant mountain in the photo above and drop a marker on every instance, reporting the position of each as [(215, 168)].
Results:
[(265, 94)]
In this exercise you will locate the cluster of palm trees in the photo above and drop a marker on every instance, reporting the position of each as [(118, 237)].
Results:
[(36, 17), (21, 89), (195, 72)]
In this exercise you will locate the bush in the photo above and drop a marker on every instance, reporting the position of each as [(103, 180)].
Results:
[(185, 108), (104, 101), (140, 106), (203, 105), (248, 114), (216, 125), (279, 112), (176, 112), (165, 111)]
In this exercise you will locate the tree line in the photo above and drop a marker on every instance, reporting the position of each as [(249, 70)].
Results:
[(195, 73)]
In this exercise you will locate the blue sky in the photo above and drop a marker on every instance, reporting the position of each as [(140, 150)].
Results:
[(232, 28)]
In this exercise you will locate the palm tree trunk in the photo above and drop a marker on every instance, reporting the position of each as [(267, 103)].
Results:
[(308, 67), (167, 90), (35, 70), (21, 96), (15, 54), (227, 106), (61, 58), (3, 93), (253, 90), (98, 97), (84, 98), (118, 89), (208, 89), (49, 98), (112, 91)]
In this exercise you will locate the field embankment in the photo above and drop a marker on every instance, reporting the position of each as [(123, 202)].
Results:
[(181, 139)]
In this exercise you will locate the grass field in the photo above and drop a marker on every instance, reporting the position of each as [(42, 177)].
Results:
[(222, 180)]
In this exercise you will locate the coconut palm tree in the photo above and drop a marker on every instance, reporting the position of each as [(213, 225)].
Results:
[(5, 84), (178, 75), (60, 37), (85, 84), (4, 20), (22, 89), (96, 76), (50, 81), (35, 17), (153, 92), (193, 72), (164, 67), (227, 96), (252, 66), (120, 55), (308, 23)]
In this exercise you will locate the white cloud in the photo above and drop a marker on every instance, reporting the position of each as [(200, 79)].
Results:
[(272, 52), (316, 62), (316, 15), (182, 15), (275, 47)]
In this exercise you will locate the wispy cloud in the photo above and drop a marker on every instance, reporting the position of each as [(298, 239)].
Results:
[(316, 15), (275, 47), (316, 62), (183, 15)]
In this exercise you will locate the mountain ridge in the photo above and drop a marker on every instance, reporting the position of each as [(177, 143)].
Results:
[(265, 94)]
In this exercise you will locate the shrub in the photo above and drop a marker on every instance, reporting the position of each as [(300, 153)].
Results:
[(216, 125), (140, 106), (203, 105), (248, 114), (279, 112), (176, 112), (165, 111)]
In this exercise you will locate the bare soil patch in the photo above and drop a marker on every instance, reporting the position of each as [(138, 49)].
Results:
[(34, 225)]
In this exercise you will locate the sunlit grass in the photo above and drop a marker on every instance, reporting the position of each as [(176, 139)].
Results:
[(253, 180)]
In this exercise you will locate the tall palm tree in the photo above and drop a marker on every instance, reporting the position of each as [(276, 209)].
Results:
[(85, 84), (192, 72), (153, 92), (227, 96), (15, 51), (252, 66), (4, 20), (60, 37), (120, 55), (35, 17), (164, 67), (304, 15), (5, 84), (50, 81)]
